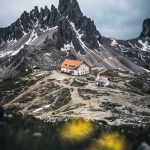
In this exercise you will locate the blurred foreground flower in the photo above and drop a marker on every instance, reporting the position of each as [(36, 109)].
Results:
[(77, 130), (109, 141)]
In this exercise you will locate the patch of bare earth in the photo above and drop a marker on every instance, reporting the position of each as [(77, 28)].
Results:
[(61, 95)]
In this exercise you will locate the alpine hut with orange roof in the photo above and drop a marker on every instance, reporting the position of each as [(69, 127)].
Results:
[(75, 67)]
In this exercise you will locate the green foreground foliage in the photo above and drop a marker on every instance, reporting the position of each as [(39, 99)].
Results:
[(19, 132)]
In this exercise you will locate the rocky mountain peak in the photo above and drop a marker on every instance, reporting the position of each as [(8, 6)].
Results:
[(146, 28), (81, 24), (53, 9), (54, 16), (44, 13), (25, 22), (46, 18), (34, 13), (71, 9)]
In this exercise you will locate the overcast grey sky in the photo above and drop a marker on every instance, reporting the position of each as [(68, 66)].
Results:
[(120, 19)]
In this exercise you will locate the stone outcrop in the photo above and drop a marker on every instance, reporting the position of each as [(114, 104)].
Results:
[(146, 28)]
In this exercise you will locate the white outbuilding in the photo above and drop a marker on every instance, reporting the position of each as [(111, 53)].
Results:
[(102, 81)]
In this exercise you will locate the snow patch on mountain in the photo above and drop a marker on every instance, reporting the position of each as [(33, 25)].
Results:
[(11, 50), (145, 69), (78, 35), (10, 53), (67, 47), (114, 43), (48, 54), (142, 57), (14, 46), (48, 29), (36, 24), (131, 44), (11, 42), (17, 51), (24, 33), (145, 46), (33, 37), (4, 54)]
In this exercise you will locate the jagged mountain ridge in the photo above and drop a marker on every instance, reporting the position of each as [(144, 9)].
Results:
[(29, 21), (45, 18), (65, 28), (50, 27), (138, 49)]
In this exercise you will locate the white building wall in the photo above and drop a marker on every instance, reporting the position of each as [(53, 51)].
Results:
[(83, 69), (67, 70), (75, 73)]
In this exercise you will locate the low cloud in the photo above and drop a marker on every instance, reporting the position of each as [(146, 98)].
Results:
[(120, 19)]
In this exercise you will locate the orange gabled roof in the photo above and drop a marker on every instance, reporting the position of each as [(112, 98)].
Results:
[(71, 64)]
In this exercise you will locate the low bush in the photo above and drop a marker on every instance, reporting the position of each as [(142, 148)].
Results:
[(78, 84)]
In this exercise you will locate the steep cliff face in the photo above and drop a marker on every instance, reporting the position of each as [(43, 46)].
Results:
[(71, 9), (146, 28), (85, 26)]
